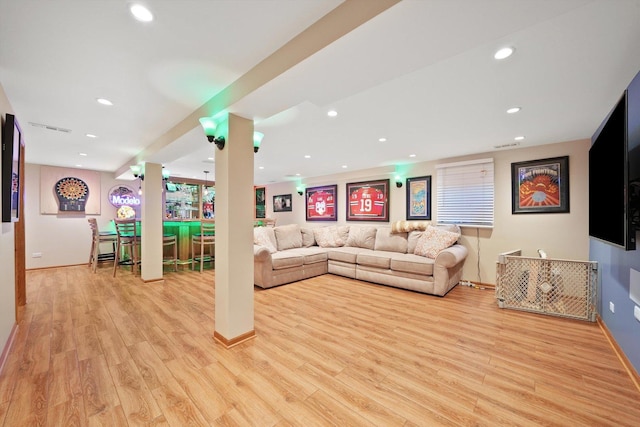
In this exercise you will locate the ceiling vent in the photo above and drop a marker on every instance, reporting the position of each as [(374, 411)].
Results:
[(49, 127), (509, 145)]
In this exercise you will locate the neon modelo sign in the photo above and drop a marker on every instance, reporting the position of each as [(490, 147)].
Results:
[(121, 195)]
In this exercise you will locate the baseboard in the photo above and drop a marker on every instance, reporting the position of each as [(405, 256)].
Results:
[(56, 266), (623, 358), (228, 343), (8, 345)]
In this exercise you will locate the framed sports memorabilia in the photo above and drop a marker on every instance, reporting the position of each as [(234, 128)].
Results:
[(368, 201), (282, 203), (321, 203), (419, 198), (540, 186)]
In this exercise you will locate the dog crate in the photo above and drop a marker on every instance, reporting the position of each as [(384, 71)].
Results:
[(549, 286)]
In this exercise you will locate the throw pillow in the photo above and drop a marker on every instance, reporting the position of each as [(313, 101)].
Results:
[(361, 237), (288, 237), (265, 236), (308, 239), (329, 237), (434, 240), (412, 240), (391, 242)]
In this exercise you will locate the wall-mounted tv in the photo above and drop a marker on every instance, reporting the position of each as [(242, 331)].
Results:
[(614, 173), (12, 144)]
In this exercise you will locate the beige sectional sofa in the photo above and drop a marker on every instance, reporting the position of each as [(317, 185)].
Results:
[(424, 260)]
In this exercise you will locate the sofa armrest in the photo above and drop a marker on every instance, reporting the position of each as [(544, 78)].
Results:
[(451, 256), (261, 253), (447, 269)]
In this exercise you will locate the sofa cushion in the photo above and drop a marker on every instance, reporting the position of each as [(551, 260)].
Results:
[(265, 236), (331, 237), (288, 237), (392, 242), (361, 237), (308, 239), (412, 240), (433, 240), (345, 254), (411, 263), (311, 255), (378, 259), (286, 259)]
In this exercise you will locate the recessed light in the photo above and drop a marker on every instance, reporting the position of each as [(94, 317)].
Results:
[(210, 158), (412, 155), (518, 138), (513, 110), (104, 101), (78, 166), (260, 167), (90, 135), (382, 139), (503, 53), (141, 13), (83, 154), (332, 113), (344, 166), (306, 156), (297, 174)]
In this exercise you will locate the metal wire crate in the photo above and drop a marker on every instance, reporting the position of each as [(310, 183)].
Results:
[(549, 286)]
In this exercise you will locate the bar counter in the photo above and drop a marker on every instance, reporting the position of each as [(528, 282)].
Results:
[(183, 229)]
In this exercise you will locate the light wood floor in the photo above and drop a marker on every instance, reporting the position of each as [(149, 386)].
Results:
[(93, 350)]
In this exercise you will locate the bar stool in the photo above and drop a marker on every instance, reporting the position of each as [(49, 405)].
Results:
[(170, 240), (207, 237), (98, 237), (129, 240)]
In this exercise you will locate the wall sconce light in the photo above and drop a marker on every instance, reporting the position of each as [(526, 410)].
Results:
[(300, 190), (166, 173), (137, 171), (209, 127), (398, 181), (257, 140)]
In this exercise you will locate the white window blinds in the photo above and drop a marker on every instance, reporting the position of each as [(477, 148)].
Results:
[(465, 193)]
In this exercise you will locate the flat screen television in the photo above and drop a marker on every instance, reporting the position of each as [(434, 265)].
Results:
[(11, 153), (610, 196)]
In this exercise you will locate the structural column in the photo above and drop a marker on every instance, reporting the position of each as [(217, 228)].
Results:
[(152, 225), (234, 321)]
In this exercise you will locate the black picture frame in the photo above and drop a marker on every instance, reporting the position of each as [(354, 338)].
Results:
[(540, 186), (12, 144), (321, 203), (418, 198), (282, 203), (368, 201)]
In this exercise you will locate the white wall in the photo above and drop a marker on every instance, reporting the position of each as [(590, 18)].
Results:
[(562, 236), (7, 259), (62, 239)]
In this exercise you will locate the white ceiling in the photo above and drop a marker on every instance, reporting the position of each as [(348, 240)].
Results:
[(420, 74)]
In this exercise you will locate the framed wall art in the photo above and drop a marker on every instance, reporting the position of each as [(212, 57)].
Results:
[(261, 202), (419, 198), (368, 201), (321, 203), (282, 203), (540, 186), (12, 143)]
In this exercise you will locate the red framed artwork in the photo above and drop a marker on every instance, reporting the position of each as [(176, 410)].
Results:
[(321, 203), (368, 201)]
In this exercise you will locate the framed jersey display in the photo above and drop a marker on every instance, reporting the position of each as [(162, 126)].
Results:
[(368, 201), (322, 203)]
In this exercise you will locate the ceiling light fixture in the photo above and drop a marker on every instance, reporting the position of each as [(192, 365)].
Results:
[(83, 154), (518, 138), (344, 166), (306, 156), (141, 13), (412, 155), (332, 113), (90, 135), (513, 110), (504, 53), (382, 139), (104, 101)]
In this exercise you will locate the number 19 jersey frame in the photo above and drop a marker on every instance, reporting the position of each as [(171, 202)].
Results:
[(368, 201)]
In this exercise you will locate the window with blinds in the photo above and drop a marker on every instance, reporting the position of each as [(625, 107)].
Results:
[(465, 193)]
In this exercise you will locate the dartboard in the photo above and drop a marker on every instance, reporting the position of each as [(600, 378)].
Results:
[(72, 188)]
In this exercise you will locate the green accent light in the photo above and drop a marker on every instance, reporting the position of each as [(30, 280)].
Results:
[(135, 169), (166, 173), (208, 125), (257, 140)]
